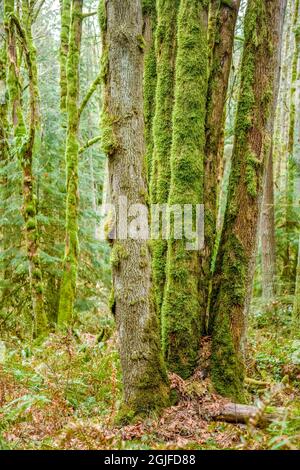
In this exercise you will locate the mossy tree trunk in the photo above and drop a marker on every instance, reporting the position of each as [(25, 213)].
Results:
[(150, 77), (183, 301), (70, 268), (25, 139), (233, 279), (296, 306), (288, 271), (268, 243), (4, 151), (223, 17), (65, 15), (166, 44), (144, 375)]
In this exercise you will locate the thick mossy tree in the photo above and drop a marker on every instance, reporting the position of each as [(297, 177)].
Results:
[(19, 46), (165, 46), (144, 375), (232, 285), (183, 304)]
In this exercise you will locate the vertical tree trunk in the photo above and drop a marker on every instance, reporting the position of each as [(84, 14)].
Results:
[(296, 307), (268, 235), (150, 77), (25, 140), (235, 263), (4, 152), (166, 35), (224, 23), (183, 300), (65, 6), (268, 204), (70, 269), (144, 375)]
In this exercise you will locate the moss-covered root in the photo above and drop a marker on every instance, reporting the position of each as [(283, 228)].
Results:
[(166, 39), (183, 308), (235, 263), (70, 268)]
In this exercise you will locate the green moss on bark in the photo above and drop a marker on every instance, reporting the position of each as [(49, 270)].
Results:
[(166, 44), (233, 275), (181, 318)]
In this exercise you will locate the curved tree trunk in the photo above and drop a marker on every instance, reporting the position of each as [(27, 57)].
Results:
[(144, 376)]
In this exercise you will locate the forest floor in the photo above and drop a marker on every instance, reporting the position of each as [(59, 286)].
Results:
[(65, 394)]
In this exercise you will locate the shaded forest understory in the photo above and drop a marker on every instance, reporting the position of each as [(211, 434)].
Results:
[(128, 342), (65, 394)]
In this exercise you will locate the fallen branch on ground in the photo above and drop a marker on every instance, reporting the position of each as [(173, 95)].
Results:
[(235, 413)]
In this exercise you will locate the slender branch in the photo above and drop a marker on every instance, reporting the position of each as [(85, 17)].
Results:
[(87, 15), (90, 143), (89, 94)]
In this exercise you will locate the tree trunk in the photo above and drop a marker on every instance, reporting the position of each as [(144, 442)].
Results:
[(70, 268), (25, 140), (268, 235), (166, 35), (233, 278), (222, 46), (268, 245), (150, 77), (144, 375), (183, 301), (65, 6)]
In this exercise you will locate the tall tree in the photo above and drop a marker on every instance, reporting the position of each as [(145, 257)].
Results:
[(183, 301), (222, 27), (65, 15), (150, 77), (166, 39), (74, 110), (70, 270), (235, 263), (25, 139), (144, 375)]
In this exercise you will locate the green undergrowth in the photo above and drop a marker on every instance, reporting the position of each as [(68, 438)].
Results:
[(65, 393)]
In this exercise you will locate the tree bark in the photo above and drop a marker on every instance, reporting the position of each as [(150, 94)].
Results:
[(268, 244), (224, 21), (25, 140), (232, 286), (144, 375), (65, 6), (236, 413), (166, 44), (70, 268), (183, 301)]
